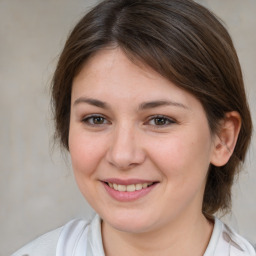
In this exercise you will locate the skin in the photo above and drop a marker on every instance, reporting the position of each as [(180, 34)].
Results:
[(117, 132)]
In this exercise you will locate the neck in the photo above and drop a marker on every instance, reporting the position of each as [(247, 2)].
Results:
[(183, 238)]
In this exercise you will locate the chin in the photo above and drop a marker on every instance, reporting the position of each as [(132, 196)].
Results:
[(130, 223), (135, 228)]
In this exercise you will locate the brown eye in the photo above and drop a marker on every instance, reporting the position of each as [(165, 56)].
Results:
[(98, 120), (160, 121), (95, 120)]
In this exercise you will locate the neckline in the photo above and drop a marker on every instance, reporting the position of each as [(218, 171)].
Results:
[(95, 233), (216, 233)]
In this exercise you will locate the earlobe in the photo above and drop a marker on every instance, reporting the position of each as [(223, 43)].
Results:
[(225, 140)]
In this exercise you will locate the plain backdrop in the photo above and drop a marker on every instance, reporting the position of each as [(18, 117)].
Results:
[(37, 188)]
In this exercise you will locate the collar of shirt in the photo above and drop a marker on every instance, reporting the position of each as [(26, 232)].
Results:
[(81, 238)]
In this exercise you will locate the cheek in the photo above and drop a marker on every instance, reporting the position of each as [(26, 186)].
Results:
[(185, 156), (86, 152)]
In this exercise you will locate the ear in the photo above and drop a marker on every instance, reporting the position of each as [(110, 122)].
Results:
[(226, 138)]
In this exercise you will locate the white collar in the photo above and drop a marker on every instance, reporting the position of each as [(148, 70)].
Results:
[(81, 238)]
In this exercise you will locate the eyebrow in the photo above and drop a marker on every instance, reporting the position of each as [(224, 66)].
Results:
[(142, 106), (160, 103), (93, 102)]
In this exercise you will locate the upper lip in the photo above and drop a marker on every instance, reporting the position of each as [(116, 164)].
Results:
[(127, 181)]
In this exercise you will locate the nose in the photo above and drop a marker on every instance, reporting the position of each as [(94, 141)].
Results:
[(125, 150)]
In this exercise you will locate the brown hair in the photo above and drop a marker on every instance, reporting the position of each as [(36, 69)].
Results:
[(182, 41)]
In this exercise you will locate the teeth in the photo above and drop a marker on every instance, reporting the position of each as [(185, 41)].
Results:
[(138, 186), (144, 185), (121, 188), (129, 188)]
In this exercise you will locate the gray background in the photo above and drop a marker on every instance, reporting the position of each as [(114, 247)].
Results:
[(37, 189)]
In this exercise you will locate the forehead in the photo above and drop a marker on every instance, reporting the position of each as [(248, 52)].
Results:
[(109, 60), (110, 74)]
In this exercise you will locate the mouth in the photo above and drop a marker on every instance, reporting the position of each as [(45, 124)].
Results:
[(128, 190), (130, 187)]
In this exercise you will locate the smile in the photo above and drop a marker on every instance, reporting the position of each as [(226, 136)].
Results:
[(129, 188)]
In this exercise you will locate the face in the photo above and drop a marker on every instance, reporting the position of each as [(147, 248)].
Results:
[(140, 146)]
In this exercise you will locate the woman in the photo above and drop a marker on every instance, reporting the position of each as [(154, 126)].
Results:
[(149, 100)]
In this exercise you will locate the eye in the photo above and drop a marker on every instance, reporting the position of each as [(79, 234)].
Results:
[(160, 121), (95, 120)]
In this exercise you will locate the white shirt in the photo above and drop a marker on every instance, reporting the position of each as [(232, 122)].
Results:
[(83, 238)]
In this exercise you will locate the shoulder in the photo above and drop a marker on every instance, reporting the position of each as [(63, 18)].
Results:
[(238, 245), (47, 244), (43, 245), (226, 241)]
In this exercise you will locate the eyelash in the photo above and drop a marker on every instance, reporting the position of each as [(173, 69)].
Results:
[(92, 118), (164, 121), (167, 121)]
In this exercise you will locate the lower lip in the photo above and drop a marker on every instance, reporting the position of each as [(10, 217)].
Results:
[(128, 196)]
